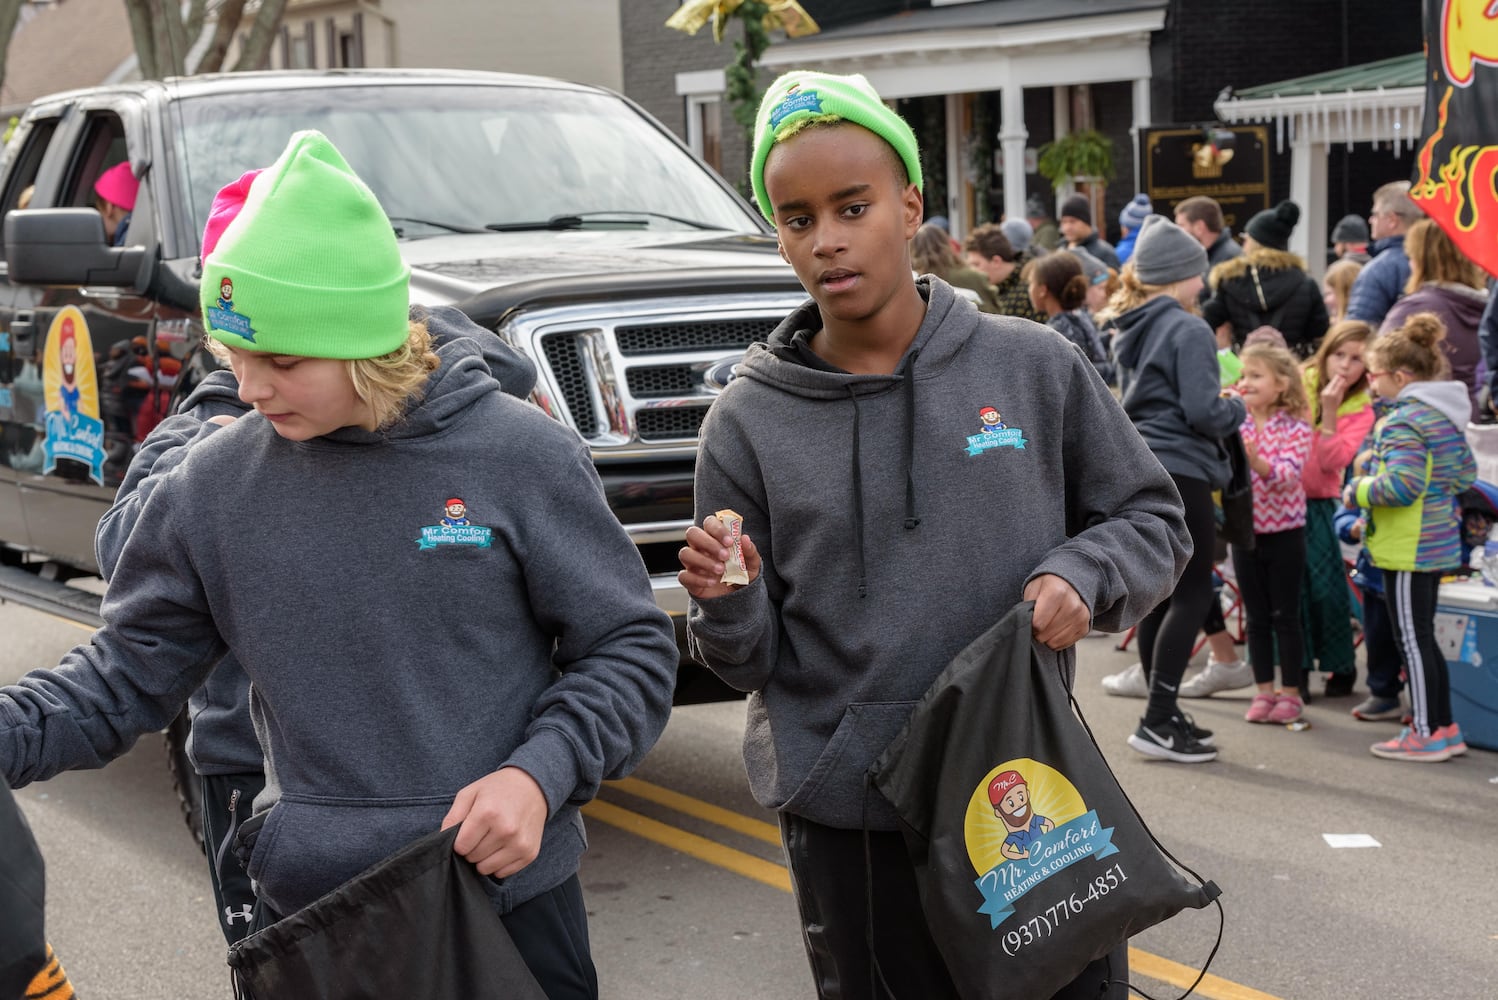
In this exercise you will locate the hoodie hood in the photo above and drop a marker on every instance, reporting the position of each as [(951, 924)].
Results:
[(1465, 303), (1134, 329), (1450, 398), (949, 321)]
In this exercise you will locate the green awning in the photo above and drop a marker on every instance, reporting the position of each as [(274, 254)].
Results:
[(1386, 74)]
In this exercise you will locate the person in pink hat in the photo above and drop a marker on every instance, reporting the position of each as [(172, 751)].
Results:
[(114, 197)]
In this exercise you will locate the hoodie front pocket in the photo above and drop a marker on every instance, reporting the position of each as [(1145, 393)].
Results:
[(836, 779)]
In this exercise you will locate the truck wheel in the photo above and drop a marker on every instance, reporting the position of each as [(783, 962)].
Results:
[(184, 777)]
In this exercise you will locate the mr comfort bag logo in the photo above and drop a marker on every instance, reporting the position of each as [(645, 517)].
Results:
[(1030, 859), (1025, 823)]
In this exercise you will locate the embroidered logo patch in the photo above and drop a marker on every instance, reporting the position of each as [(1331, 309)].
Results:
[(1025, 823), (994, 433), (796, 100), (221, 315), (455, 529)]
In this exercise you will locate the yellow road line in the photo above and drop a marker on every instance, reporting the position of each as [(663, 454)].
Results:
[(775, 875), (739, 823), (701, 848), (1212, 987)]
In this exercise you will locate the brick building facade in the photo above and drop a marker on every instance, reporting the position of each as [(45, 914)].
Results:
[(1115, 64)]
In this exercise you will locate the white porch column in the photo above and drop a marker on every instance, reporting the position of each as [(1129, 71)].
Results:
[(1141, 121), (1012, 138), (1061, 113), (1308, 190), (956, 207)]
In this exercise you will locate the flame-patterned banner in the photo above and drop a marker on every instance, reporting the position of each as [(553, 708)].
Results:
[(1456, 172)]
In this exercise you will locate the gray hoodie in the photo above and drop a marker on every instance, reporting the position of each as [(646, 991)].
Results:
[(1172, 389), (394, 658), (898, 518), (222, 739)]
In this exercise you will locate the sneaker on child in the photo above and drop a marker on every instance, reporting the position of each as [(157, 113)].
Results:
[(1455, 742), (1128, 683), (1218, 676), (1260, 708), (1377, 709), (1170, 740), (1287, 708), (1410, 745)]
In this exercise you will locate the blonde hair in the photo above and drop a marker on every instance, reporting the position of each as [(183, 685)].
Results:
[(387, 384), (1338, 280), (1132, 292), (1414, 348), (1281, 363), (1434, 257), (1341, 333)]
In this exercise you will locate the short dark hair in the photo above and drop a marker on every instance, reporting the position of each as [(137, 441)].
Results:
[(1200, 208), (989, 241)]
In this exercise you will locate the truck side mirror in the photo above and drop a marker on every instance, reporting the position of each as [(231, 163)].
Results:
[(65, 246)]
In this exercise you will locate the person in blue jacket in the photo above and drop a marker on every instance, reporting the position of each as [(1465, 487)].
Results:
[(406, 676)]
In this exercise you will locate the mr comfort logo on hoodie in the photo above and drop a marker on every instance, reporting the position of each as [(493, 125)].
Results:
[(994, 433), (455, 529)]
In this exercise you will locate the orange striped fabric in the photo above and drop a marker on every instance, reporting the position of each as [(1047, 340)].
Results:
[(51, 983)]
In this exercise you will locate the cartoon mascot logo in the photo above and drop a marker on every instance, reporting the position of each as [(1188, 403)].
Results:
[(1025, 823), (70, 387), (455, 528)]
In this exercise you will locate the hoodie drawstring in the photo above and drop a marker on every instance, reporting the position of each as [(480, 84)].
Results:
[(863, 576), (912, 519)]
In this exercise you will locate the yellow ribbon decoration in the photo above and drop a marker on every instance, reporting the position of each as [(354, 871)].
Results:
[(785, 15)]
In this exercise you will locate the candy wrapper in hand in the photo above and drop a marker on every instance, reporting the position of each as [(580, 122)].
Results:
[(733, 568)]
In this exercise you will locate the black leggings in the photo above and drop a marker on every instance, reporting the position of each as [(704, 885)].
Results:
[(1412, 607), (1269, 577), (1167, 633)]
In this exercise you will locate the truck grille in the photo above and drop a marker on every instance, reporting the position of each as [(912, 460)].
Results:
[(670, 422), (564, 355), (706, 335), (639, 376)]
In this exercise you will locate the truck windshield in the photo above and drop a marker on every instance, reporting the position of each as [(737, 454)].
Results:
[(459, 158)]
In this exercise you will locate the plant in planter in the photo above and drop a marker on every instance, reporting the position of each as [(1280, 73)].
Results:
[(1084, 155)]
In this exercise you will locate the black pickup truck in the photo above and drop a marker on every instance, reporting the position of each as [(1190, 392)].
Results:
[(559, 215)]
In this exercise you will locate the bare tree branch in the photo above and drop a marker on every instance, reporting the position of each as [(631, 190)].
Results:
[(230, 13), (143, 31), (196, 9), (10, 13), (256, 51)]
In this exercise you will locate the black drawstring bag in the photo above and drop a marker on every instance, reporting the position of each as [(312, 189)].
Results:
[(1236, 508), (418, 926), (1031, 861)]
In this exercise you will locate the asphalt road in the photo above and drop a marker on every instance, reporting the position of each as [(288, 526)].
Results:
[(688, 896)]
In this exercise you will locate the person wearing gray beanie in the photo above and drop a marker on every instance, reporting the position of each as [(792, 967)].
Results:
[(1350, 239), (1020, 234), (1165, 253)]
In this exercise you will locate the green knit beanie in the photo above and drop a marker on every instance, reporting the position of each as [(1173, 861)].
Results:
[(798, 97), (310, 265)]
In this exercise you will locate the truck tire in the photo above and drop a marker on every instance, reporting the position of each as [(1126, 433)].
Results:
[(184, 777)]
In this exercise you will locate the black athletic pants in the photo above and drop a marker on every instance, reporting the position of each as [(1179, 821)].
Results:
[(1412, 607), (1269, 578), (1167, 633), (827, 874), (1380, 647), (227, 801), (551, 933)]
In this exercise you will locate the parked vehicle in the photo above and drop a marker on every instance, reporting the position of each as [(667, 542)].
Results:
[(560, 215)]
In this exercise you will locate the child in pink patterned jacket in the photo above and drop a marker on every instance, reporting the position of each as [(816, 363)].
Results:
[(1277, 439)]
